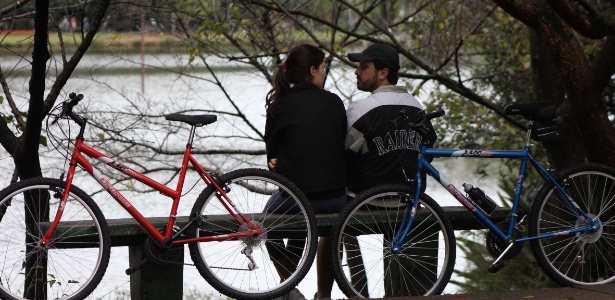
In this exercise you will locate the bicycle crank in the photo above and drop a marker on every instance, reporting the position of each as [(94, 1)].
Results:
[(495, 247), (160, 255)]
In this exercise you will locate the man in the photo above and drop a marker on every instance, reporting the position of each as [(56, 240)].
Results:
[(378, 152)]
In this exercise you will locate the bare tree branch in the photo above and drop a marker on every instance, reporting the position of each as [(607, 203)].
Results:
[(5, 10), (9, 97), (584, 19)]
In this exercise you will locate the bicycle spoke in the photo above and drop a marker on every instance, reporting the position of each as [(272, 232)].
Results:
[(369, 266), (253, 266)]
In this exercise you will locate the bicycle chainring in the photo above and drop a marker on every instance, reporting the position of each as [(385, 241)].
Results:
[(162, 256), (495, 247)]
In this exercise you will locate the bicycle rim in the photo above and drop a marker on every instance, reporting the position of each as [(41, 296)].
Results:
[(250, 267), (368, 267), (583, 258), (73, 263)]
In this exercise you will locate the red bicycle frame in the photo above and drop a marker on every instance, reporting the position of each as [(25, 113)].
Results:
[(78, 159)]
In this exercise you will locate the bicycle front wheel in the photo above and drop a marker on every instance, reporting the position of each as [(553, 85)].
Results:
[(255, 267), (364, 261), (583, 258), (73, 262)]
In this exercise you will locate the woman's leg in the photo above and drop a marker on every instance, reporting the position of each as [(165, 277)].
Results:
[(284, 257), (325, 277), (323, 269)]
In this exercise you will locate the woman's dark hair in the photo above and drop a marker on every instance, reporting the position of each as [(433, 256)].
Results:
[(393, 77), (294, 70)]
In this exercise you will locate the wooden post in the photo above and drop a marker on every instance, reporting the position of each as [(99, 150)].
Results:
[(155, 281)]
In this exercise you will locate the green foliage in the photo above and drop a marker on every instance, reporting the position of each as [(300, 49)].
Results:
[(522, 272), (42, 140), (194, 294), (191, 294)]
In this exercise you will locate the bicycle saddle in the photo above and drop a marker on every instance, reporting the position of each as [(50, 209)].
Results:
[(539, 111), (194, 120)]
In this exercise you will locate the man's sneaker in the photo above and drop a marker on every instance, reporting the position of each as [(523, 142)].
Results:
[(294, 294)]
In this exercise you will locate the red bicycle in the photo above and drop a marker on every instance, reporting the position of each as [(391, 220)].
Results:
[(251, 232)]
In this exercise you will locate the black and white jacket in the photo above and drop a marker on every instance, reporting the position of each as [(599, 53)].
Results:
[(377, 151)]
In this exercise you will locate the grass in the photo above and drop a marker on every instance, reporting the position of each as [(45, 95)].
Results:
[(129, 42)]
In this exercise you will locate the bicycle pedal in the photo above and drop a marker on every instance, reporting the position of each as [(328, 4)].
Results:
[(136, 268), (496, 267)]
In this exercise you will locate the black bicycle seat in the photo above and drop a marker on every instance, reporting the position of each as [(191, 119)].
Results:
[(194, 120), (539, 111)]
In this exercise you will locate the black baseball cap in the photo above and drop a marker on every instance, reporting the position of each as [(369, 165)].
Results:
[(380, 52)]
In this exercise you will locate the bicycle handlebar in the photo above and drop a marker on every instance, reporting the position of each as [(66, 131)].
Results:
[(435, 114), (67, 110), (421, 117), (74, 99), (419, 122)]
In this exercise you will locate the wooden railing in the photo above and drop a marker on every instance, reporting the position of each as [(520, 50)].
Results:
[(155, 281)]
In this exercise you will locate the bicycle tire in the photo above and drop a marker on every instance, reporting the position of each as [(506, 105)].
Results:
[(224, 265), (364, 264), (77, 254), (581, 258)]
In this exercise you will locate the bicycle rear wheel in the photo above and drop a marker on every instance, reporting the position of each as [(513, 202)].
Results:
[(259, 267), (583, 258), (364, 262), (73, 262)]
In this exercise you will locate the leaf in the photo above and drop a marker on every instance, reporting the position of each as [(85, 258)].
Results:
[(1, 99), (42, 140), (101, 136)]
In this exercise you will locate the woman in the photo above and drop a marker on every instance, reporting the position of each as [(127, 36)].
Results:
[(305, 132)]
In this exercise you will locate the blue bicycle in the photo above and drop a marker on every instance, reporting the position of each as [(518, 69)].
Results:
[(393, 240)]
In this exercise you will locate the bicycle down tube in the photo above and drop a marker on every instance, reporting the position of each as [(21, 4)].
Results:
[(524, 155), (78, 159)]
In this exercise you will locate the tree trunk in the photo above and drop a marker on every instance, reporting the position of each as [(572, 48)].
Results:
[(583, 89), (26, 158), (548, 86), (588, 111)]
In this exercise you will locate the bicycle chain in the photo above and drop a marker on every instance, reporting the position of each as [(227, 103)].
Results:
[(192, 265)]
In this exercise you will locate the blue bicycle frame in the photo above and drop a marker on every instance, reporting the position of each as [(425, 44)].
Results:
[(524, 155)]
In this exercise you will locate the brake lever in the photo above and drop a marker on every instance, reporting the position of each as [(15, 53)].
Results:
[(55, 120), (402, 117)]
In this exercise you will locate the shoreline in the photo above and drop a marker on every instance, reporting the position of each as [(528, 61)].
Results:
[(20, 42)]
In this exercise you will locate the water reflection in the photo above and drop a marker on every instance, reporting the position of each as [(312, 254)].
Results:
[(174, 92)]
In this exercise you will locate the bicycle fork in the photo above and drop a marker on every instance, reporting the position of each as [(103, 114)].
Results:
[(406, 223)]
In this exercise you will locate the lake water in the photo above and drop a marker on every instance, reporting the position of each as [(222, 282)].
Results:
[(165, 93)]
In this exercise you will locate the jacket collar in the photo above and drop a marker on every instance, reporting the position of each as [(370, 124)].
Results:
[(390, 89), (303, 86)]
